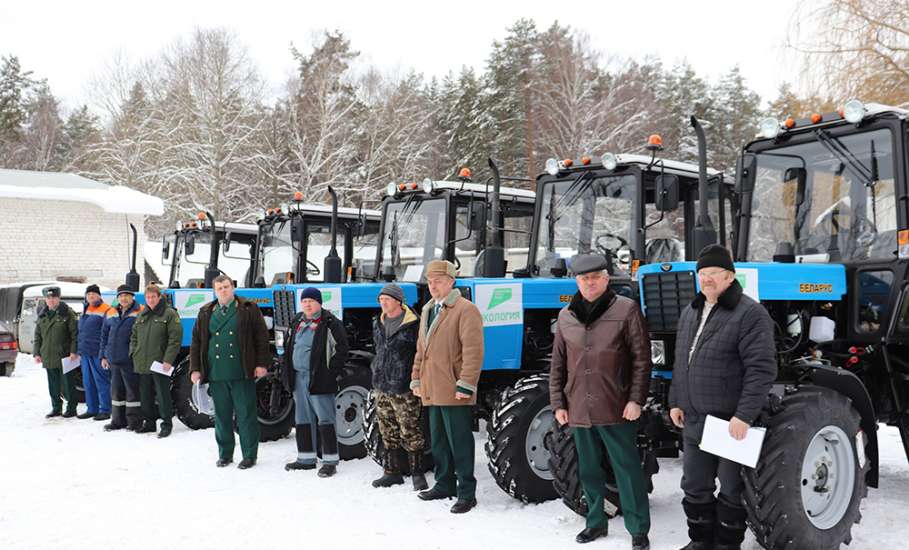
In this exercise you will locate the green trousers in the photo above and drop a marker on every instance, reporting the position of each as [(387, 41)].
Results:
[(58, 383), (231, 397), (150, 385), (451, 431), (619, 442)]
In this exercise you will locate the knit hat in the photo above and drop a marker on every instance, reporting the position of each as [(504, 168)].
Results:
[(125, 289), (714, 255), (93, 288), (441, 267), (393, 291), (312, 293)]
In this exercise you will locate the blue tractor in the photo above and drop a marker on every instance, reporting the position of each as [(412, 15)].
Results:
[(820, 238), (635, 210)]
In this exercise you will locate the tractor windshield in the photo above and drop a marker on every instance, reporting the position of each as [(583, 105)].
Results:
[(585, 214), (833, 199), (414, 235), (277, 250)]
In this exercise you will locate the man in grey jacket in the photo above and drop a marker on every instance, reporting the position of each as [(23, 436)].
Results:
[(725, 365)]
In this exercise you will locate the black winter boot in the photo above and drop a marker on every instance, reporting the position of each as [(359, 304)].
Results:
[(701, 524), (392, 471), (730, 525), (303, 433), (147, 427), (417, 467)]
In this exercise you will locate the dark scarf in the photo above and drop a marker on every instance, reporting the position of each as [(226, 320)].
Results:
[(589, 312), (727, 300)]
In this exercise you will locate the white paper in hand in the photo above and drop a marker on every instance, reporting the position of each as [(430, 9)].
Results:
[(69, 365), (717, 441), (158, 367)]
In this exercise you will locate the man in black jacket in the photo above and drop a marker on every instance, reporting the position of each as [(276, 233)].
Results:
[(314, 356), (395, 333), (725, 365)]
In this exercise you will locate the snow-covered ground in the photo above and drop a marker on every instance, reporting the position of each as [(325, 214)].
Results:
[(66, 484)]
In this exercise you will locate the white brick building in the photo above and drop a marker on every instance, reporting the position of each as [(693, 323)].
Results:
[(63, 225)]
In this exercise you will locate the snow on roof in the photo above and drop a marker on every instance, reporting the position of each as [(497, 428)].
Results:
[(686, 167), (61, 186), (342, 210), (483, 188)]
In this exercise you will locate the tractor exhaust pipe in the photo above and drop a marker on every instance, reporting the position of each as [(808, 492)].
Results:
[(332, 263), (704, 231), (494, 255), (132, 278), (211, 270)]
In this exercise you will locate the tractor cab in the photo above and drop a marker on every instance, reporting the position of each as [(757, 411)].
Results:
[(295, 240), (632, 209), (190, 253), (455, 221)]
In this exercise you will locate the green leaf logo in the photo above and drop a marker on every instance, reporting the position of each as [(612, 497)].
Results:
[(326, 295), (742, 280), (499, 297), (194, 299)]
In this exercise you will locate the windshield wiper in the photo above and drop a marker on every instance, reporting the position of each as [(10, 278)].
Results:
[(844, 155), (578, 186)]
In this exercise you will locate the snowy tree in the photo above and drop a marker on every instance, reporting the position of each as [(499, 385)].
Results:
[(461, 125), (854, 48), (737, 113)]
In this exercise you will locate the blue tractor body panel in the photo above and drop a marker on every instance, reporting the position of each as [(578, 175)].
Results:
[(771, 281)]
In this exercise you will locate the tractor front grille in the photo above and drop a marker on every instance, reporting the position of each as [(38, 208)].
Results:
[(665, 296), (284, 307)]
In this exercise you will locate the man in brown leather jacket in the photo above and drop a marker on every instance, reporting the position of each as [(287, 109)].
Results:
[(599, 379)]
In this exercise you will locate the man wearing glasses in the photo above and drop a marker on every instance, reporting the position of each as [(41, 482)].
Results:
[(725, 364)]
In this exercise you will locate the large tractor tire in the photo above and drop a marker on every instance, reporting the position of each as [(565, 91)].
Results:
[(375, 447), (563, 463), (515, 444), (275, 408), (806, 490), (354, 384), (191, 412)]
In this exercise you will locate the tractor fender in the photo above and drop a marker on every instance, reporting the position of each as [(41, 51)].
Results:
[(851, 386)]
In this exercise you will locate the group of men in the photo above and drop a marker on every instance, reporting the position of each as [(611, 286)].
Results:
[(725, 365), (115, 347), (599, 382)]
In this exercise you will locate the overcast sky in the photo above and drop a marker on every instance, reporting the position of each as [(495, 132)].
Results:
[(68, 41)]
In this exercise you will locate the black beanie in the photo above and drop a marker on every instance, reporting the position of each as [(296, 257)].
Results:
[(312, 293), (714, 255), (93, 288)]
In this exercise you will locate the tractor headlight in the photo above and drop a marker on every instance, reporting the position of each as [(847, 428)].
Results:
[(427, 186), (552, 167), (770, 128), (610, 161), (657, 352), (391, 189), (854, 111)]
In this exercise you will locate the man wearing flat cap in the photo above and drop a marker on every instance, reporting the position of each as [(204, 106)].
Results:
[(725, 365), (395, 332), (599, 379), (56, 338), (446, 371)]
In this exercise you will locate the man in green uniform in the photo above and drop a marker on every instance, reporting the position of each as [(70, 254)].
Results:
[(155, 338), (56, 339), (229, 351), (598, 381)]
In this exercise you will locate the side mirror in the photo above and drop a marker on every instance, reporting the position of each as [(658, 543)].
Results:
[(667, 193), (165, 250), (745, 173), (297, 235), (477, 216), (226, 242), (800, 176), (189, 245)]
